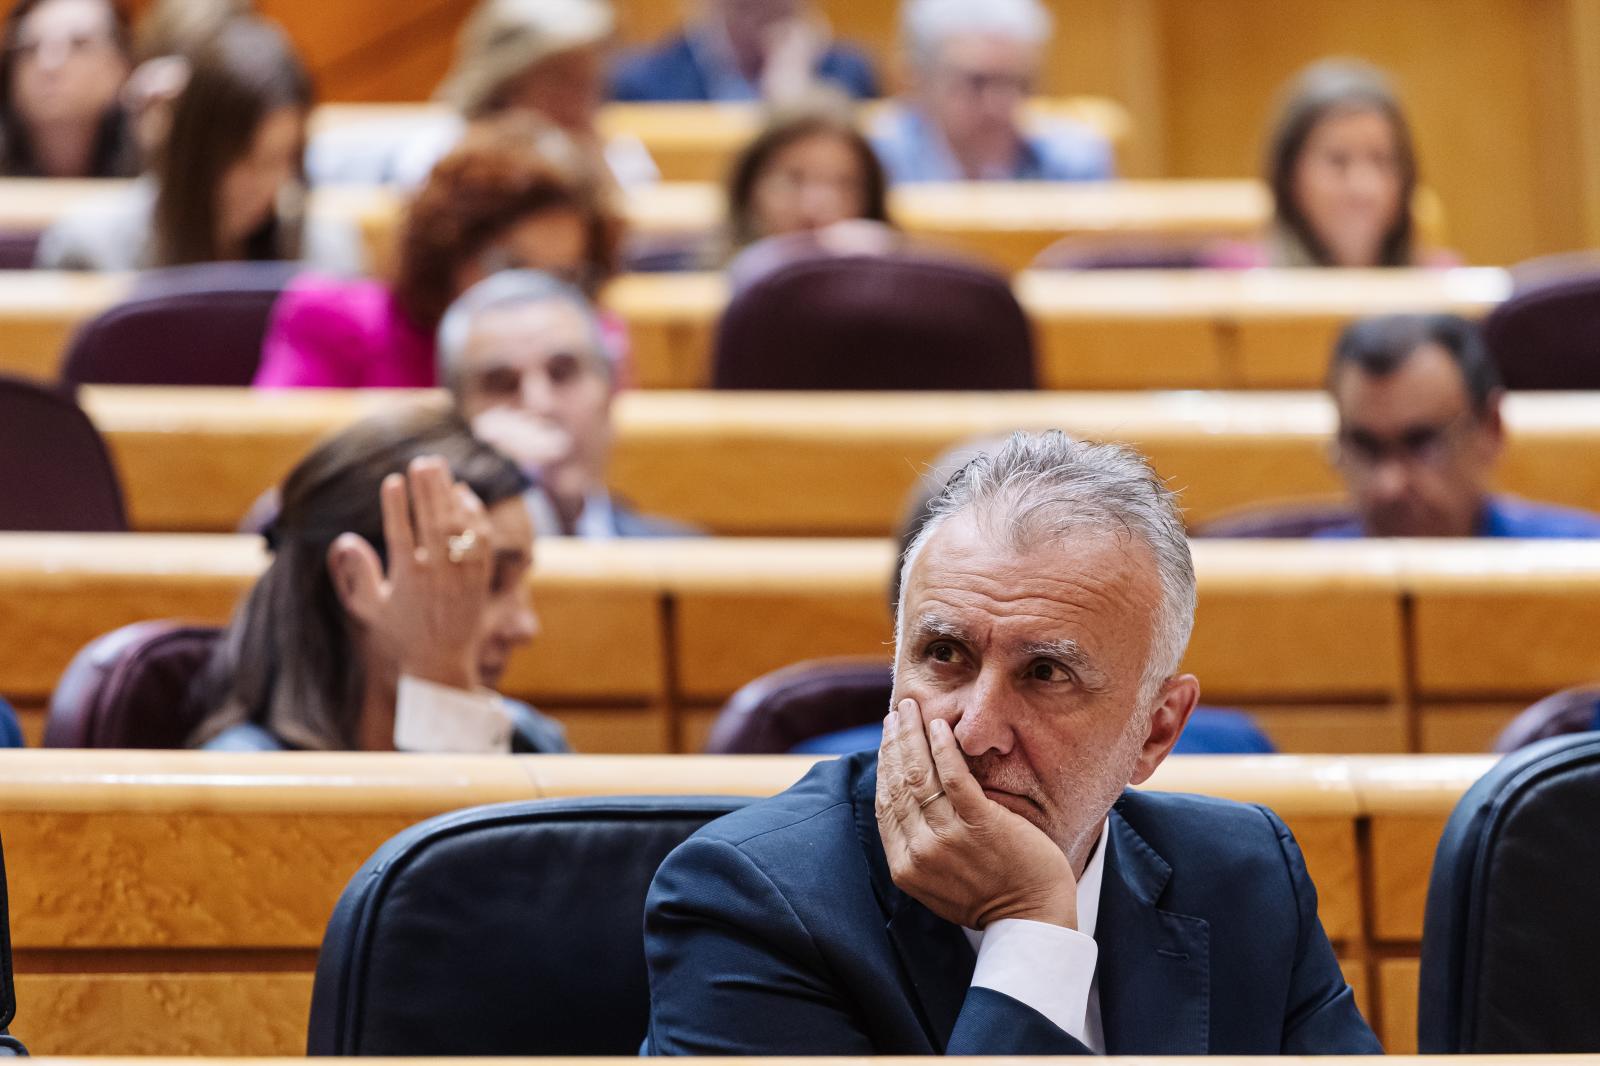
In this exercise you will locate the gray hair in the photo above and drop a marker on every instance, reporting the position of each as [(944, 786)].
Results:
[(926, 24), (510, 288), (1040, 486)]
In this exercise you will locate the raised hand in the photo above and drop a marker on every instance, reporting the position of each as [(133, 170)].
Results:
[(428, 610), (959, 853)]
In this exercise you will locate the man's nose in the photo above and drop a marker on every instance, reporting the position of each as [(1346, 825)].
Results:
[(537, 395), (984, 718), (1390, 479)]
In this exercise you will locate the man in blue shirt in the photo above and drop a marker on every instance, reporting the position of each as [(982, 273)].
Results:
[(1420, 431), (745, 50), (973, 65)]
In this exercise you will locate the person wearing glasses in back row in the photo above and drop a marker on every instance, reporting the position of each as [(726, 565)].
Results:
[(973, 64), (1420, 430)]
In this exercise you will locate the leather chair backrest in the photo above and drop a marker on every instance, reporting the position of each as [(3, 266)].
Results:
[(1572, 710), (512, 929), (9, 1045), (57, 476), (874, 322), (1511, 942), (1548, 337), (131, 688), (18, 248), (775, 712), (1282, 521), (190, 325)]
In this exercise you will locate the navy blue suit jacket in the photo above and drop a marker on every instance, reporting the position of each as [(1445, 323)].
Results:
[(777, 930), (672, 71)]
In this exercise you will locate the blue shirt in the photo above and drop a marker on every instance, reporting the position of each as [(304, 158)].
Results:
[(687, 67), (913, 149), (1507, 516)]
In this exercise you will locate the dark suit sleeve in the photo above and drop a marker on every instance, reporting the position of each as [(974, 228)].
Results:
[(733, 970), (1321, 1016), (992, 1023)]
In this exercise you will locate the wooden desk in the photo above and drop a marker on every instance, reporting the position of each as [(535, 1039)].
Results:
[(701, 618), (833, 464), (144, 880), (1095, 330), (696, 141)]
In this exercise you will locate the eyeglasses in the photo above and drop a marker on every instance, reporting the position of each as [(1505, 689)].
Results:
[(978, 83), (1362, 452)]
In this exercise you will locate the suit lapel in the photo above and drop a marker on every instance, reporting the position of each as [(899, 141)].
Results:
[(1155, 965), (937, 960)]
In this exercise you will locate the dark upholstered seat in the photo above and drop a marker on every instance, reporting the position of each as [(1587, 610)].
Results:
[(513, 929), (874, 322), (1282, 521), (775, 712), (1511, 941), (1572, 710), (17, 248), (131, 688), (1548, 337), (57, 476), (191, 325)]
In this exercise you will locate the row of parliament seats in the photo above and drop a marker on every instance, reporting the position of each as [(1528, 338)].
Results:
[(813, 464), (166, 904), (1262, 329), (1004, 223), (1405, 647)]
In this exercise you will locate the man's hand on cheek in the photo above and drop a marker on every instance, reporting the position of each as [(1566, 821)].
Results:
[(963, 856)]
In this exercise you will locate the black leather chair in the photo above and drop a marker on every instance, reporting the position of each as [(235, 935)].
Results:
[(874, 322), (9, 1045), (131, 688), (188, 325), (1548, 336), (57, 475), (512, 929), (1511, 935)]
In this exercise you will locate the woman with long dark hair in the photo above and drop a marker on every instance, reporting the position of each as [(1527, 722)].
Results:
[(395, 597), (62, 65), (226, 183)]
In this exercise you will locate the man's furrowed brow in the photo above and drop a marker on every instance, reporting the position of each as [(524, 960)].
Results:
[(931, 625)]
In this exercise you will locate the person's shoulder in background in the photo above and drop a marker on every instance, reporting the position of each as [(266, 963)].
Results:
[(336, 333), (1509, 516), (110, 232), (1064, 150), (670, 71)]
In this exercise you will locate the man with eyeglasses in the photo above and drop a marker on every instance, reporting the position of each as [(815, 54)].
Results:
[(973, 64), (529, 366), (1420, 430)]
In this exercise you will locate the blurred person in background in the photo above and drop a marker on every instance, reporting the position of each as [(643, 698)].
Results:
[(226, 183), (545, 57), (809, 184), (526, 360), (973, 64), (515, 193), (62, 65), (1342, 170), (396, 594), (1420, 432), (168, 36), (745, 50)]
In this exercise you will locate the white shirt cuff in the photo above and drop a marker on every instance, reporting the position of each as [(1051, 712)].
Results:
[(432, 717), (1047, 967)]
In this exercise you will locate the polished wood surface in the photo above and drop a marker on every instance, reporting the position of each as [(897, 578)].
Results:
[(1095, 330), (1331, 644), (833, 464), (698, 141), (187, 887)]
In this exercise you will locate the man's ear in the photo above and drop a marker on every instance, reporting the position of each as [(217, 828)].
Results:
[(1493, 424), (1173, 707), (357, 576)]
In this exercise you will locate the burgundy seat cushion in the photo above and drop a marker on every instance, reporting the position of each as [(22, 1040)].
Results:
[(775, 712), (875, 322), (1549, 336), (56, 476), (132, 688)]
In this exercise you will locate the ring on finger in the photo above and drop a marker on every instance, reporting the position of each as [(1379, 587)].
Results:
[(924, 804), (460, 544)]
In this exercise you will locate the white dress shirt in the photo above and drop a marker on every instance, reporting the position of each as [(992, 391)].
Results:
[(1049, 967)]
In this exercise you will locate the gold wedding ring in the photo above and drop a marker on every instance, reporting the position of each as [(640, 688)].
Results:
[(461, 544), (924, 804)]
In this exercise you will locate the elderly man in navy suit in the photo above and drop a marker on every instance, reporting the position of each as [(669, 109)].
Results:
[(986, 884)]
